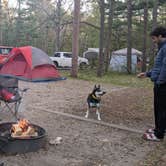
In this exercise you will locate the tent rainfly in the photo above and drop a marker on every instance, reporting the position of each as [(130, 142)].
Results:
[(29, 64)]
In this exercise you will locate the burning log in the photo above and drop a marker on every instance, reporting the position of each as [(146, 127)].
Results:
[(23, 129)]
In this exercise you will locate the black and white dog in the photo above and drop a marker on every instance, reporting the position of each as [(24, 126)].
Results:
[(93, 101)]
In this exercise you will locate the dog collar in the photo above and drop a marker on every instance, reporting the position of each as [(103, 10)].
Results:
[(95, 97)]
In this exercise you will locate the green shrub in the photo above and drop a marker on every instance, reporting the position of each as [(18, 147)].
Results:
[(114, 78)]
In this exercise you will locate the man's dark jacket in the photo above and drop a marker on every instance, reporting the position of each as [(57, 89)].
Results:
[(158, 72)]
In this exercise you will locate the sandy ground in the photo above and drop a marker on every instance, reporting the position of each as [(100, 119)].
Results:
[(84, 143)]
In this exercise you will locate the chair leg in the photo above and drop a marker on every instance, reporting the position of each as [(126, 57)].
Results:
[(17, 104), (13, 108)]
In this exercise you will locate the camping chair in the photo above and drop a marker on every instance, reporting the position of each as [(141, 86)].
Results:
[(10, 95)]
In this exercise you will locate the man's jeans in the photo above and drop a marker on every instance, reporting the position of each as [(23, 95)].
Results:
[(160, 110)]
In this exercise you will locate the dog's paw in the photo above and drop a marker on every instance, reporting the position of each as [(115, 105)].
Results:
[(98, 117), (86, 116)]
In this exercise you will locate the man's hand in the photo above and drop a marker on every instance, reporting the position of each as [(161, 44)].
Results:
[(141, 75)]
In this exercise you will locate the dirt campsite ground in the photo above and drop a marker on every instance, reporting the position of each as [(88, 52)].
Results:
[(60, 109)]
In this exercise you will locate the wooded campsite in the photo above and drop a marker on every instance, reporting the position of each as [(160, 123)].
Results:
[(108, 25), (90, 116)]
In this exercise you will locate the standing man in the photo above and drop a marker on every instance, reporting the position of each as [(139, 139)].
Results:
[(158, 76)]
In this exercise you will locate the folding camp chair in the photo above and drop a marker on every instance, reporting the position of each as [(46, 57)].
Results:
[(10, 95)]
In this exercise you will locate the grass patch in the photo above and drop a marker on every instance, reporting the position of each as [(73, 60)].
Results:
[(120, 79)]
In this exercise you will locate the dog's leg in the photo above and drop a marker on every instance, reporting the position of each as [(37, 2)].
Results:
[(87, 112), (98, 114)]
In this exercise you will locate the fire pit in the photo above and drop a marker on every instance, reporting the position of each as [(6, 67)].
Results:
[(13, 141)]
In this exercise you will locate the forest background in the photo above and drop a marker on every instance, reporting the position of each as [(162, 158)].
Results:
[(105, 24)]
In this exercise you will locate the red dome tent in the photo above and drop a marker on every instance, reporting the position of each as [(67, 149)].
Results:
[(30, 64)]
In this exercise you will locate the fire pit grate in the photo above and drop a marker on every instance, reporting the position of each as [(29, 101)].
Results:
[(11, 145)]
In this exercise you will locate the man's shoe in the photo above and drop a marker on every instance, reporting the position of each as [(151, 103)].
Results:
[(151, 130), (151, 137)]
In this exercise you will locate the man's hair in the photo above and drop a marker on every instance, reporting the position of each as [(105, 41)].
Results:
[(159, 31)]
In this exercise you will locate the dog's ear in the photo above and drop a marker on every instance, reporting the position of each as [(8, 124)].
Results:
[(99, 86), (95, 87)]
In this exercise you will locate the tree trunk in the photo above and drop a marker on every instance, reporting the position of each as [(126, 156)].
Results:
[(155, 8), (0, 22), (154, 25), (145, 36), (18, 24), (75, 38), (58, 21), (109, 36), (101, 42), (129, 36)]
